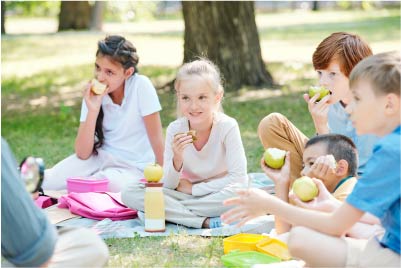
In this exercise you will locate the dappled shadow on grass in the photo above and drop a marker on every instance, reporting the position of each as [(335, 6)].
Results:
[(52, 90), (47, 91)]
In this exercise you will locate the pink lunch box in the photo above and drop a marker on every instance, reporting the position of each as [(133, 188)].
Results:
[(84, 185)]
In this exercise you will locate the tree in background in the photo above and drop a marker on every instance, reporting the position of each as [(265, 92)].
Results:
[(3, 16), (315, 5), (74, 15), (97, 15), (226, 33)]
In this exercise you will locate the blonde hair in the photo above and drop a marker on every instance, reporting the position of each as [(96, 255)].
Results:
[(382, 70), (204, 69)]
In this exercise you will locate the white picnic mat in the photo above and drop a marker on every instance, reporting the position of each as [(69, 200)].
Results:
[(131, 228)]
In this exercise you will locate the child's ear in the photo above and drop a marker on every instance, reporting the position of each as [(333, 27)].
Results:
[(342, 168), (128, 72), (393, 104), (219, 96)]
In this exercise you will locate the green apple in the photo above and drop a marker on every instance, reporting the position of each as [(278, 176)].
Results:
[(305, 188), (274, 157), (318, 89), (153, 172)]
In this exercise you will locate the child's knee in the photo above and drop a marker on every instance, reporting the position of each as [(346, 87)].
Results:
[(100, 251), (131, 193), (269, 123), (297, 240)]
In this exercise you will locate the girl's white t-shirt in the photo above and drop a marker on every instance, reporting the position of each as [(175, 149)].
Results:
[(124, 130)]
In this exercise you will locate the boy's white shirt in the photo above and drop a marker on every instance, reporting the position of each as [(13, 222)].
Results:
[(219, 163), (124, 129)]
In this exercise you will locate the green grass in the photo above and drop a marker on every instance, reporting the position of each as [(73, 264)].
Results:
[(43, 76), (373, 25), (170, 251)]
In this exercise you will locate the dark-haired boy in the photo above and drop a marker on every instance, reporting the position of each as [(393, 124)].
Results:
[(333, 159)]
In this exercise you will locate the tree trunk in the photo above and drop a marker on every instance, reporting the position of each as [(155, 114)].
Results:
[(315, 6), (97, 16), (226, 33), (74, 15), (3, 17)]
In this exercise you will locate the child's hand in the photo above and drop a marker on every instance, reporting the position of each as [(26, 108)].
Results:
[(246, 206), (319, 111), (184, 186), (279, 176), (180, 141), (323, 167), (323, 202), (93, 101)]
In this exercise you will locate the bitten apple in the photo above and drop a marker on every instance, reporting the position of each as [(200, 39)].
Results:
[(274, 157), (97, 87), (153, 172), (318, 89), (305, 188)]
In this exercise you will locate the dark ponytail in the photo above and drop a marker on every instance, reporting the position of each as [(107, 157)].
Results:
[(99, 136), (120, 50)]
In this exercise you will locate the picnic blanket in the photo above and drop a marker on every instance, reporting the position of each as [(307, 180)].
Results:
[(107, 228), (135, 227)]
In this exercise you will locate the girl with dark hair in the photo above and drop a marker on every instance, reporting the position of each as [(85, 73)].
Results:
[(120, 130)]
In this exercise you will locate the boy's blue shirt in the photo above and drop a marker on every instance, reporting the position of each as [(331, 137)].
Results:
[(378, 190), (339, 123)]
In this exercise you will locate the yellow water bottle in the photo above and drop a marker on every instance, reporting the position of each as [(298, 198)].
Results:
[(155, 217)]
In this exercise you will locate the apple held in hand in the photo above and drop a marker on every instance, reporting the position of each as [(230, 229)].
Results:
[(305, 188), (153, 172), (97, 87), (318, 89), (274, 157)]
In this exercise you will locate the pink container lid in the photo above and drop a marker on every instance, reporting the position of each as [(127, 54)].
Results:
[(83, 180), (84, 185)]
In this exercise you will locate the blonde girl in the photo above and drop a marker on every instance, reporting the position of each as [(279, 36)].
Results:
[(198, 173)]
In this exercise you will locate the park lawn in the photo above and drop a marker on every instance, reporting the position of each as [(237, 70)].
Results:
[(43, 76), (40, 117)]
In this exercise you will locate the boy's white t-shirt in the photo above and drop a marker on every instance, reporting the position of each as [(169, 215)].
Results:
[(124, 130)]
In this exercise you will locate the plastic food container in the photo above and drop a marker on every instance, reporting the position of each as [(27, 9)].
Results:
[(274, 247), (242, 242), (84, 185), (246, 259)]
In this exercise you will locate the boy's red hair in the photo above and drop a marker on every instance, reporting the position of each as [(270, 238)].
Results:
[(347, 49)]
